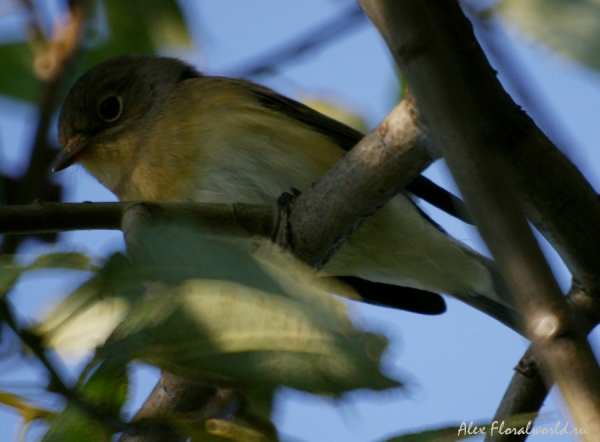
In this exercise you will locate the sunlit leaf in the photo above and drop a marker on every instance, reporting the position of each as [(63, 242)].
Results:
[(86, 317), (23, 406), (232, 431), (106, 387), (10, 271), (569, 26), (73, 261), (87, 329), (230, 325)]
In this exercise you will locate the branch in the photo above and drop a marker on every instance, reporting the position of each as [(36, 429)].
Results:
[(526, 392), (468, 114), (323, 217), (51, 60), (248, 219)]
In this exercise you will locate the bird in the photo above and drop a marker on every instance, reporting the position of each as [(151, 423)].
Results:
[(155, 129)]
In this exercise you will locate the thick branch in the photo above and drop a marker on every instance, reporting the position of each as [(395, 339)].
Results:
[(378, 167), (526, 392), (434, 45), (556, 195)]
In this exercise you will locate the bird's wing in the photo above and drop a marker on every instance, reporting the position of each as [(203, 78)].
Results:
[(346, 137)]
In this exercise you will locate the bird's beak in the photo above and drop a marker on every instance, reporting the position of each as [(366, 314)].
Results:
[(69, 154)]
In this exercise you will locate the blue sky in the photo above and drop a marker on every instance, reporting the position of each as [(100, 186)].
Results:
[(457, 365)]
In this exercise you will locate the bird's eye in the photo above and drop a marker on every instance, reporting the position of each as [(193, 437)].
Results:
[(110, 108)]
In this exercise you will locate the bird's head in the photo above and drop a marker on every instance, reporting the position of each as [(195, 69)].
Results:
[(104, 117)]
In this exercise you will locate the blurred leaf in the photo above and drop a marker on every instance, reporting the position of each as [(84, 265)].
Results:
[(106, 390), (10, 271), (16, 72), (73, 261), (173, 254), (218, 430), (113, 28), (255, 337), (353, 120), (229, 325), (86, 329), (232, 431), (74, 425), (8, 278), (135, 26), (27, 411), (572, 27), (87, 316)]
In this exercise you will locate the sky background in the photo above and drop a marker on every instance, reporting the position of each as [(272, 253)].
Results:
[(456, 365)]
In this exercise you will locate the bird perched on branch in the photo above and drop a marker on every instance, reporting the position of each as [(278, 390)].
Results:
[(155, 129)]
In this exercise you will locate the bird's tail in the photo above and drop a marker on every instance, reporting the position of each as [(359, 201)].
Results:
[(498, 301)]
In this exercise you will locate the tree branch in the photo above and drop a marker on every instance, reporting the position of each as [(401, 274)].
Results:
[(323, 217), (310, 40), (248, 219), (51, 60), (468, 113), (526, 392)]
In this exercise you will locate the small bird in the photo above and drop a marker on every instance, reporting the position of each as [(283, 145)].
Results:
[(155, 129)]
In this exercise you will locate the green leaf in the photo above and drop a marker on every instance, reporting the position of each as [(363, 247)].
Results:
[(136, 26), (106, 388), (106, 391), (8, 278), (173, 254), (229, 325), (88, 315), (112, 28), (73, 261), (16, 72), (74, 425), (10, 271), (569, 26), (252, 336), (24, 407)]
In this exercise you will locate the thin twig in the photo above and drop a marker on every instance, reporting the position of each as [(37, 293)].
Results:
[(310, 40)]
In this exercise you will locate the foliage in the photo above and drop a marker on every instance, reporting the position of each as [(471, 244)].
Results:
[(570, 27), (113, 28), (254, 321)]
